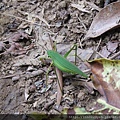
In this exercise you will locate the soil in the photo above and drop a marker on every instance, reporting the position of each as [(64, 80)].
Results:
[(28, 26)]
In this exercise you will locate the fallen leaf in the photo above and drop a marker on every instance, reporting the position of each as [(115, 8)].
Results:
[(106, 79), (106, 19)]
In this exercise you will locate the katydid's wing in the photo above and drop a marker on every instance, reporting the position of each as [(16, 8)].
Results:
[(63, 64)]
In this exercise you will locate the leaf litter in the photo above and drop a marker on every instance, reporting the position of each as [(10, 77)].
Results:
[(106, 19), (106, 79), (73, 24)]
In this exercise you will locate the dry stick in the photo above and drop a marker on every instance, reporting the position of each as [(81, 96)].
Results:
[(93, 54), (82, 23), (60, 78), (112, 57), (98, 44), (59, 86), (10, 76), (101, 55), (95, 51), (115, 55)]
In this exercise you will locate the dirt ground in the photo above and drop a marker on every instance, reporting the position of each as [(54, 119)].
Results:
[(26, 28)]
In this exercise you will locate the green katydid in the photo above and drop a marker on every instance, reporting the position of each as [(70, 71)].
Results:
[(63, 64)]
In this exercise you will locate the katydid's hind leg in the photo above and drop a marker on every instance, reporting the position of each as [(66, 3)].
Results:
[(75, 54), (67, 53), (73, 48)]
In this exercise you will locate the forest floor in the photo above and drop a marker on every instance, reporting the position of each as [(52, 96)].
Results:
[(26, 28)]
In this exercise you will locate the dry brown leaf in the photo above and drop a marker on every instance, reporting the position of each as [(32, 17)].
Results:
[(106, 19), (106, 79)]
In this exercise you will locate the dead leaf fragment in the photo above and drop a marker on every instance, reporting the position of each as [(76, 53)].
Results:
[(105, 20), (106, 79)]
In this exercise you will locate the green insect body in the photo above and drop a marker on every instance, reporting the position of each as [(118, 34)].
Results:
[(63, 64)]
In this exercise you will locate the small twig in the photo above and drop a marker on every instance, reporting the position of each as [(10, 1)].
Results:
[(115, 55), (10, 76), (95, 51), (59, 85), (52, 44), (101, 55), (82, 23), (80, 43), (98, 44), (93, 6)]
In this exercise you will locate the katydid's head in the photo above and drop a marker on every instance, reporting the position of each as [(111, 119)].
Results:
[(50, 53)]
